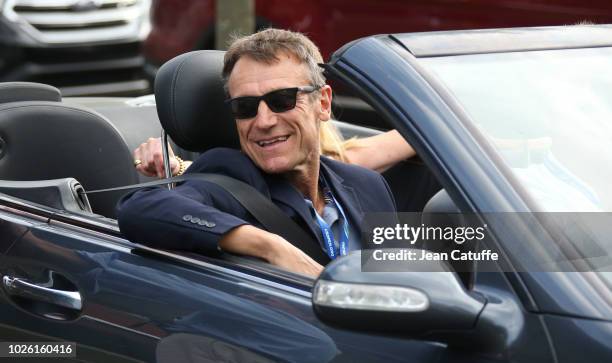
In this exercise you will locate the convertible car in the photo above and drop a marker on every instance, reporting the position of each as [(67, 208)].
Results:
[(513, 125)]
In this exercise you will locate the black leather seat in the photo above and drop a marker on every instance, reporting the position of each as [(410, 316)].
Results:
[(42, 138), (190, 102)]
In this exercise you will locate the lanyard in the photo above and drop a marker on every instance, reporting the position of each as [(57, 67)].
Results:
[(326, 231)]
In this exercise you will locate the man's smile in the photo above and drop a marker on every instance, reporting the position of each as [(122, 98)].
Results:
[(272, 142)]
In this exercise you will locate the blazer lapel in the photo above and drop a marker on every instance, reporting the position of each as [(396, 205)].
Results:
[(345, 194)]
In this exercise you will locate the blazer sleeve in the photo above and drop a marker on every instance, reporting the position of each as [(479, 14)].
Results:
[(181, 219), (193, 216)]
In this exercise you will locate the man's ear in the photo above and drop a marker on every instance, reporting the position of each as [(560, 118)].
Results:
[(325, 103)]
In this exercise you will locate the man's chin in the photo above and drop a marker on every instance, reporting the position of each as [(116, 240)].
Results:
[(274, 169), (274, 166)]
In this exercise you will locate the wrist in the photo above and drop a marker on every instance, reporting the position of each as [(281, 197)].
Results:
[(181, 166), (274, 248)]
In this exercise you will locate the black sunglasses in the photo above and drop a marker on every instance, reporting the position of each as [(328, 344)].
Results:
[(278, 101)]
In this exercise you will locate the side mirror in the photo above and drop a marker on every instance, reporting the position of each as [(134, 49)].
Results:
[(431, 305)]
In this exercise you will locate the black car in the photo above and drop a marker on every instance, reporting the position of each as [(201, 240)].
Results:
[(514, 124)]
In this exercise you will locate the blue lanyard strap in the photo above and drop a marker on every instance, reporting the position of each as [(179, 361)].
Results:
[(326, 231)]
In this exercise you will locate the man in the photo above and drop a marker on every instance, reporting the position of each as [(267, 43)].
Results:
[(279, 98)]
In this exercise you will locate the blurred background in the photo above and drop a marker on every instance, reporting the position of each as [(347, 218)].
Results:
[(114, 47)]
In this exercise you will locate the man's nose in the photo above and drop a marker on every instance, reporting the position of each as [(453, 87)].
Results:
[(265, 117)]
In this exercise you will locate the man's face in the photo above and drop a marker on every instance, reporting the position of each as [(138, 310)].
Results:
[(279, 142)]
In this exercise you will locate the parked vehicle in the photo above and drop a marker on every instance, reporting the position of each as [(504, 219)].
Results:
[(84, 47), (179, 26), (471, 103)]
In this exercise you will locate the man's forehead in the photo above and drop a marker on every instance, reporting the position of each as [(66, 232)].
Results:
[(249, 71)]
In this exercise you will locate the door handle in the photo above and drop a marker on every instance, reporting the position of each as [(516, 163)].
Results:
[(20, 287)]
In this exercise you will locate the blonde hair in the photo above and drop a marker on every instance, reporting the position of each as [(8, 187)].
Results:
[(332, 143)]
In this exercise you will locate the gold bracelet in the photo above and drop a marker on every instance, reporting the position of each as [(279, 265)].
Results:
[(182, 166)]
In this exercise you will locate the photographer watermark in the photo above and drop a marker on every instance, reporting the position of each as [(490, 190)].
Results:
[(413, 234), (462, 241), (424, 255)]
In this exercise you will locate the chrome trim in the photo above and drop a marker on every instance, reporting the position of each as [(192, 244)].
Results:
[(11, 214), (19, 287), (122, 327), (228, 271), (103, 239), (165, 153)]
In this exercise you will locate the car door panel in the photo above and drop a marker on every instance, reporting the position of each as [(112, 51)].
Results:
[(143, 308)]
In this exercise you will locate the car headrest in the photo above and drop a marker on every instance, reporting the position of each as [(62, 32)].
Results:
[(28, 91), (190, 102), (43, 140)]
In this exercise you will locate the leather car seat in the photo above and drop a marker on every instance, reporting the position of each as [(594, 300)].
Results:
[(41, 138), (190, 102)]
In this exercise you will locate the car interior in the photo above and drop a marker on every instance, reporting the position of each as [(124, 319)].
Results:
[(59, 150), (43, 139)]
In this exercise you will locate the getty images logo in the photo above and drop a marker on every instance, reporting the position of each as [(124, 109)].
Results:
[(412, 234)]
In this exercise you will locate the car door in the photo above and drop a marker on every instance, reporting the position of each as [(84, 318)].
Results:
[(134, 307), (53, 291), (122, 302)]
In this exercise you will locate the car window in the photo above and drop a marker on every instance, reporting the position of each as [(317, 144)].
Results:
[(548, 114)]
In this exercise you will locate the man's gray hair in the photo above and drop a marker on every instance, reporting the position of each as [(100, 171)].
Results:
[(265, 46)]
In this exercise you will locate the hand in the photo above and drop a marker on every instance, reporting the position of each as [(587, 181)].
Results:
[(252, 241), (150, 154)]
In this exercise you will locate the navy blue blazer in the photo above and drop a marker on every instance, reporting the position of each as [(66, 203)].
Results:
[(166, 219)]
